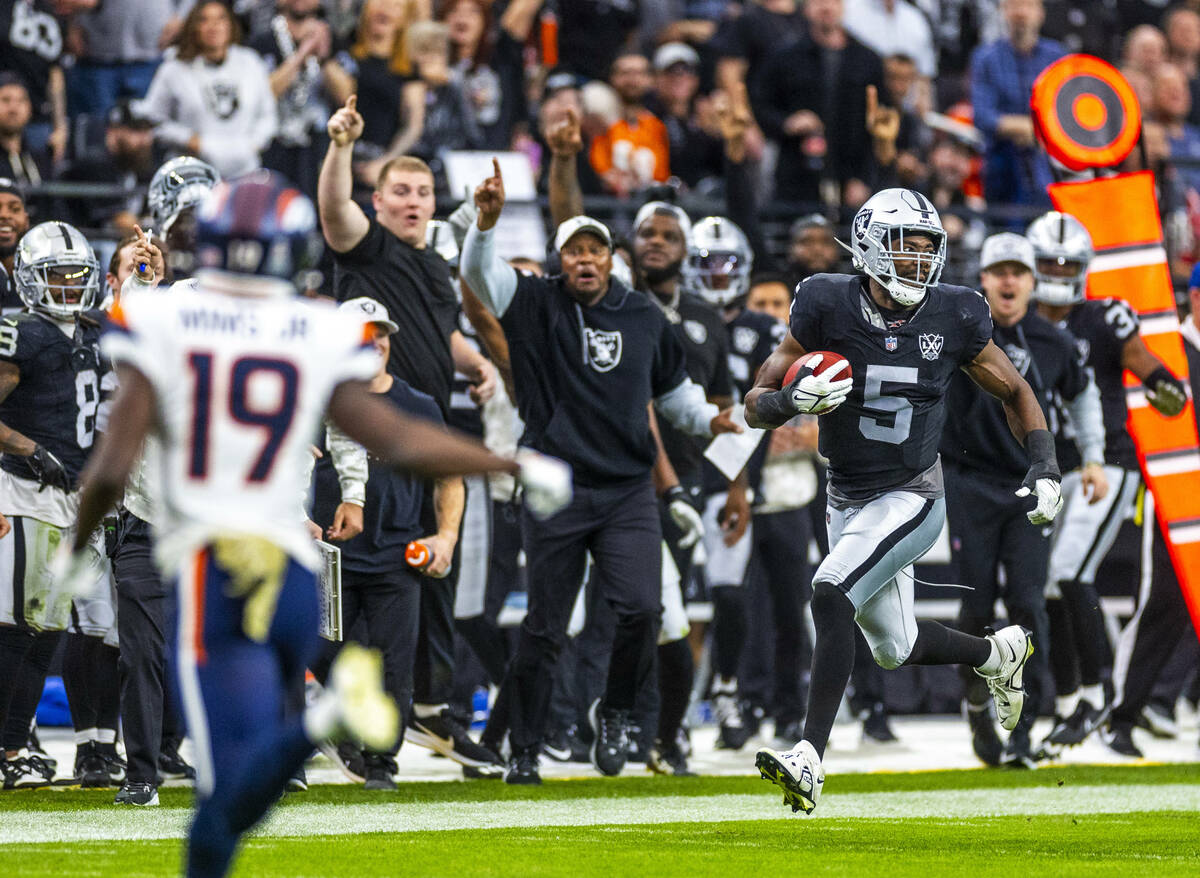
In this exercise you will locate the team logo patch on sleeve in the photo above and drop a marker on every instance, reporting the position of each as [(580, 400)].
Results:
[(603, 349), (930, 344)]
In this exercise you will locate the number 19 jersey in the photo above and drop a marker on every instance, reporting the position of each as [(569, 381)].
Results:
[(241, 383), (887, 431)]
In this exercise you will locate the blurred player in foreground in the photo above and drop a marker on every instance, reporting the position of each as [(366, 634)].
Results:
[(234, 379)]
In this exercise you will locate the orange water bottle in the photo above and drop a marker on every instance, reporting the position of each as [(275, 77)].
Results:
[(418, 556), (548, 33)]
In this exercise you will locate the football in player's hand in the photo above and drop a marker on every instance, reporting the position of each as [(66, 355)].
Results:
[(811, 365)]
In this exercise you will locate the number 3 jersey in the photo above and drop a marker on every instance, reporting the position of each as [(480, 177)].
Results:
[(886, 434), (241, 383), (58, 397)]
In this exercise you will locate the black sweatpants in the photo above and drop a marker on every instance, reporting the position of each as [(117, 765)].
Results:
[(988, 527), (388, 605), (145, 605), (620, 527), (25, 658), (433, 666)]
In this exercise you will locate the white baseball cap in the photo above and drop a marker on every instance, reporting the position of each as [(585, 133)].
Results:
[(670, 54), (651, 208), (368, 310), (1006, 247), (568, 229)]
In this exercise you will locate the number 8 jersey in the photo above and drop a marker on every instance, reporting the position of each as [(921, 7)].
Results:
[(886, 433), (241, 383)]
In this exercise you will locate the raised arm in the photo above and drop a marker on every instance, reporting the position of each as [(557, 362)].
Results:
[(565, 141), (342, 221), (492, 279)]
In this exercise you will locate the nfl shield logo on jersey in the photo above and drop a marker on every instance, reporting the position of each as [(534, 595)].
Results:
[(931, 345), (604, 349), (891, 342)]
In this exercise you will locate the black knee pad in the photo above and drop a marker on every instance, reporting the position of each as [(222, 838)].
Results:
[(830, 603)]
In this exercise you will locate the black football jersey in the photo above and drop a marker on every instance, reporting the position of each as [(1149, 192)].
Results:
[(56, 401), (753, 336), (887, 431), (706, 355), (1101, 328)]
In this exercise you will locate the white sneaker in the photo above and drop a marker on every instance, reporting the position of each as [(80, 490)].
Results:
[(797, 772), (366, 712), (1015, 645)]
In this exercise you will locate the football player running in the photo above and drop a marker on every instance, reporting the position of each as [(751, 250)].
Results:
[(903, 334), (234, 380)]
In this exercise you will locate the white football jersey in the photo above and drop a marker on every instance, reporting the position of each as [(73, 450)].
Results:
[(241, 383)]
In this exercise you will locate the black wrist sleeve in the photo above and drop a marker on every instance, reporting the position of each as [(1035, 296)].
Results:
[(1043, 463), (775, 408)]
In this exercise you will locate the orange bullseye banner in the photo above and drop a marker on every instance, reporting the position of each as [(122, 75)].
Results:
[(1086, 113), (1121, 213)]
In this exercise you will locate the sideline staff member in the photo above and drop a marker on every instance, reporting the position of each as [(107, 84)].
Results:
[(588, 356)]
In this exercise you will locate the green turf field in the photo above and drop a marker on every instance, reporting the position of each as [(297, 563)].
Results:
[(1129, 821)]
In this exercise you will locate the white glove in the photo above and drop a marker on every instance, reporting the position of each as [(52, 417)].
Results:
[(1049, 500), (74, 573), (687, 519), (818, 393), (545, 481)]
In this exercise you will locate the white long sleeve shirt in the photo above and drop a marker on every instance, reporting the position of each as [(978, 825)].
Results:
[(230, 105)]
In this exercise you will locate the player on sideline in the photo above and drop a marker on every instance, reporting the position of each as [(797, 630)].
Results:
[(235, 379), (904, 335)]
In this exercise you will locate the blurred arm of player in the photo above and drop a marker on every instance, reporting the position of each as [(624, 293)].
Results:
[(995, 373), (342, 221), (1088, 419), (449, 499), (1164, 391), (566, 142)]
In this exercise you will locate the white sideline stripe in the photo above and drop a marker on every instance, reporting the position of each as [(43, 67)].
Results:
[(123, 824), (1128, 259)]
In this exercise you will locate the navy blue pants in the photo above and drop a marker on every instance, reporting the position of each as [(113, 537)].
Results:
[(233, 689)]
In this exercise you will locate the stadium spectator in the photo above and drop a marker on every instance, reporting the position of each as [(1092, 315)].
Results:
[(635, 151), (385, 81), (14, 222), (888, 27), (811, 99), (1002, 76), (214, 99), (592, 32), (32, 45), (695, 154), (743, 42), (128, 157), (298, 51), (1172, 106), (448, 121), (118, 46), (1145, 48), (1182, 28), (491, 64), (812, 249), (19, 159)]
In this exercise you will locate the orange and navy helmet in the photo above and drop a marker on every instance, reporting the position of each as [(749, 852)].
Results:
[(257, 224)]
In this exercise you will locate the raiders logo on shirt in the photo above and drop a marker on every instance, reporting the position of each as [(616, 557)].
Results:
[(604, 349), (222, 99)]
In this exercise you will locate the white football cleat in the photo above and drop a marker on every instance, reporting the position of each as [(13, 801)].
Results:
[(797, 772), (366, 713), (1015, 645)]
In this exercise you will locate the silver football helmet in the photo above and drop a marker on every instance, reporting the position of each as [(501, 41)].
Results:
[(719, 260), (56, 271), (439, 237), (877, 241), (1062, 253), (180, 183)]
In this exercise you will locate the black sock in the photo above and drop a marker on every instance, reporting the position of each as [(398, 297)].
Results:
[(938, 645), (675, 672), (729, 629), (1064, 663), (106, 685), (77, 680), (833, 659), (1087, 621)]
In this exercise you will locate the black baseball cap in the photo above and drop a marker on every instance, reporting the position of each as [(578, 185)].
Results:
[(7, 77), (8, 186), (127, 113), (558, 79)]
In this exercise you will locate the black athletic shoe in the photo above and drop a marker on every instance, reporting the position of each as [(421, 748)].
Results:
[(445, 735), (1018, 752), (523, 770), (875, 725), (733, 731), (91, 770), (1075, 729), (1159, 720), (45, 767), (984, 740), (19, 774), (668, 759), (116, 766), (172, 765), (610, 748), (298, 782), (637, 750), (558, 745), (1120, 740), (379, 777), (348, 759), (133, 793), (34, 746)]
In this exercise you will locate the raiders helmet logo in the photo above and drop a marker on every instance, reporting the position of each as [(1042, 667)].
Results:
[(930, 344), (604, 349), (861, 221), (1019, 357)]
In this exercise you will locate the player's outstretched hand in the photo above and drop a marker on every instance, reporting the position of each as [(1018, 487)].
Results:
[(346, 125), (566, 138), (489, 198), (545, 481), (685, 516), (818, 392), (49, 470), (1049, 499), (723, 422)]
